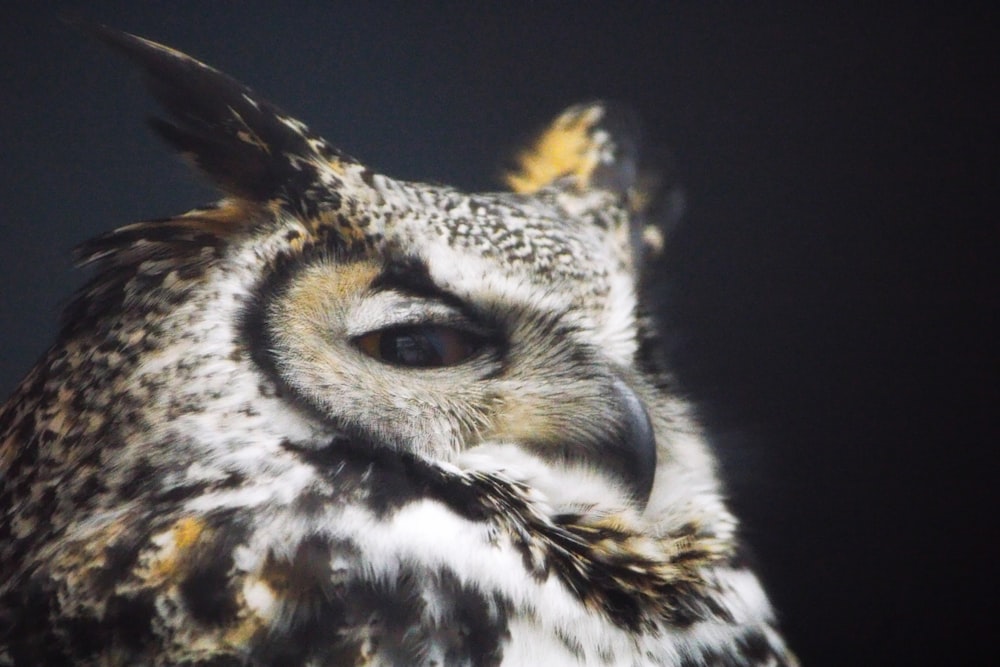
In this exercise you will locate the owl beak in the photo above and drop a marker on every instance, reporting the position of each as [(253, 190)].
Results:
[(631, 443)]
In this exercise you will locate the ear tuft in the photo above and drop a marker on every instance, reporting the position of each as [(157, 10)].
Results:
[(592, 145), (596, 146), (248, 147)]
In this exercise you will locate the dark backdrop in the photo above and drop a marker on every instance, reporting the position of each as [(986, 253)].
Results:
[(829, 289)]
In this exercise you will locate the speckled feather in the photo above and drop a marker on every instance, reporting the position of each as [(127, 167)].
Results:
[(206, 469)]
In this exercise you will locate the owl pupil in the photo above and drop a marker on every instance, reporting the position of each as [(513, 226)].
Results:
[(418, 346), (410, 348)]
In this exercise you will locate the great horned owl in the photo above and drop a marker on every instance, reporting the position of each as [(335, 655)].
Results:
[(341, 419)]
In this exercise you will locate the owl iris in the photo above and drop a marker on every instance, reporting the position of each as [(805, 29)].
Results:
[(418, 346)]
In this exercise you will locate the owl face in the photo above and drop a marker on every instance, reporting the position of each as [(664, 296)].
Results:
[(468, 325), (339, 418)]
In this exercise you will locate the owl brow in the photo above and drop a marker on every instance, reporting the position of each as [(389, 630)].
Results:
[(412, 277)]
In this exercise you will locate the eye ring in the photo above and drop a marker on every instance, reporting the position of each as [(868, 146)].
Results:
[(419, 346)]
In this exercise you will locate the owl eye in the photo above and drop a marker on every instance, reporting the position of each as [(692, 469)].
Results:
[(429, 346)]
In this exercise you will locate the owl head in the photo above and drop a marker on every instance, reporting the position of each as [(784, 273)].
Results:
[(320, 299)]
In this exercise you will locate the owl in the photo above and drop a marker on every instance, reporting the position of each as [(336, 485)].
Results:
[(342, 419)]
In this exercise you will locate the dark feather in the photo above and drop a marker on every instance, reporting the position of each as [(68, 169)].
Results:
[(245, 144)]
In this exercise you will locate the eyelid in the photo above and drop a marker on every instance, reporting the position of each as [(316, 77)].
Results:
[(387, 309)]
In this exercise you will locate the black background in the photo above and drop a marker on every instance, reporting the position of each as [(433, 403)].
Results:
[(830, 290)]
